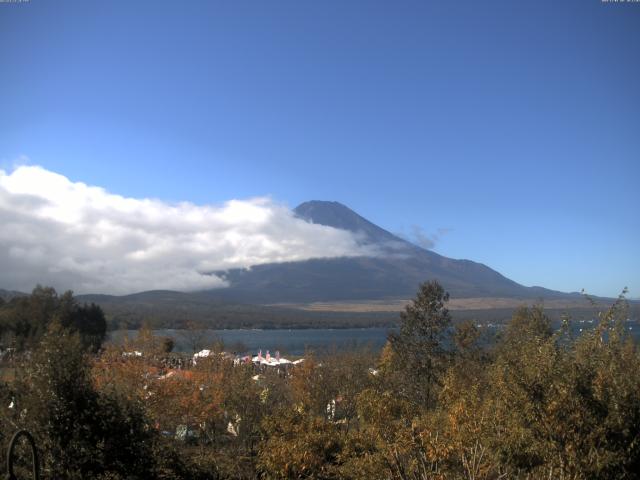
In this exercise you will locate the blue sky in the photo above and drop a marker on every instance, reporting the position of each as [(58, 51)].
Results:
[(516, 125)]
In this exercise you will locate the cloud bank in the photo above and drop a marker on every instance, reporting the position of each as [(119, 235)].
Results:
[(74, 236)]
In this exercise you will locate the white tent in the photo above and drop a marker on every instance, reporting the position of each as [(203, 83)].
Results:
[(270, 361)]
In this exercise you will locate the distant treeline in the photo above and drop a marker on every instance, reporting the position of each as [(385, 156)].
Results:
[(161, 310), (25, 318), (175, 310)]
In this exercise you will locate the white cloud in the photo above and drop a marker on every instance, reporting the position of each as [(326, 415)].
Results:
[(75, 236)]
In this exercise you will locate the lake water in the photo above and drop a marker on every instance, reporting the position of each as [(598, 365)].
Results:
[(297, 341), (293, 342)]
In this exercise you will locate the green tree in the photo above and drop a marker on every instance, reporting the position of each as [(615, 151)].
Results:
[(25, 319), (419, 349)]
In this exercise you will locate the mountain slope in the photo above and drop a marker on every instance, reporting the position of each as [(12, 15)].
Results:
[(7, 295), (395, 273)]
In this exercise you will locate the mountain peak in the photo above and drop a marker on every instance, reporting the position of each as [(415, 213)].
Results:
[(337, 215), (326, 212)]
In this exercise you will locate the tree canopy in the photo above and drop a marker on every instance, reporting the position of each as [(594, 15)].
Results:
[(25, 319)]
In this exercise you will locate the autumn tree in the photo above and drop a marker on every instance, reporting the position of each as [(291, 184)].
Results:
[(563, 407), (81, 432)]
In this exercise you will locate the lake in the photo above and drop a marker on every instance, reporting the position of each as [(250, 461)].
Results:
[(297, 341), (292, 342)]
